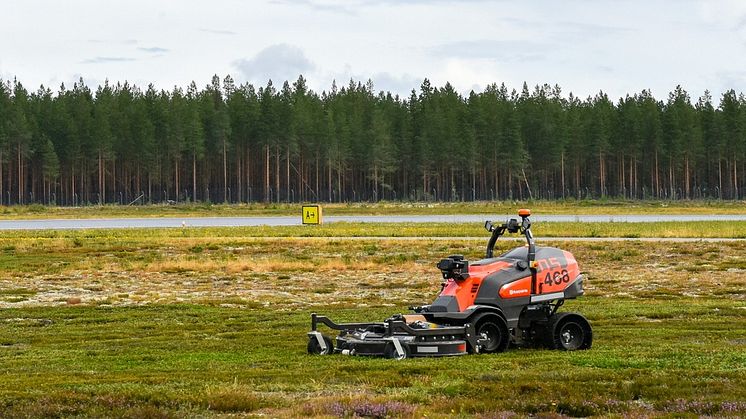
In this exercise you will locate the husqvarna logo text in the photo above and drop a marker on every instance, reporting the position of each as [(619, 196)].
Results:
[(513, 292)]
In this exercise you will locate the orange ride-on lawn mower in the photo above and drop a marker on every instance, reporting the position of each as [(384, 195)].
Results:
[(483, 307)]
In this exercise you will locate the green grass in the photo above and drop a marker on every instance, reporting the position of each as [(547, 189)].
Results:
[(211, 322), (10, 240), (570, 206), (683, 356)]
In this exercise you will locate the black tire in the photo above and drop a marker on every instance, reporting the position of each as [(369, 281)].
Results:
[(570, 332), (390, 351), (495, 330), (315, 349)]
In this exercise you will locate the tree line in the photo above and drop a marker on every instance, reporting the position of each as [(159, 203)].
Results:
[(238, 143)]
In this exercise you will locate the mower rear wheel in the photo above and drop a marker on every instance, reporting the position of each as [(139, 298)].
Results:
[(570, 332), (390, 351), (495, 331), (314, 348)]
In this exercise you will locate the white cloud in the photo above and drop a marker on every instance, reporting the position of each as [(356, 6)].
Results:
[(348, 8), (154, 50), (104, 60), (217, 31), (497, 50), (277, 62), (114, 41)]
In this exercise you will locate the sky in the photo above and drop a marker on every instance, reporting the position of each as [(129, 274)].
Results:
[(620, 47)]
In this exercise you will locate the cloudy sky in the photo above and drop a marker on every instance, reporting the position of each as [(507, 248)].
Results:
[(584, 46)]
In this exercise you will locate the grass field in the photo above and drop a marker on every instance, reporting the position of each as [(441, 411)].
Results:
[(668, 229), (610, 207), (211, 322)]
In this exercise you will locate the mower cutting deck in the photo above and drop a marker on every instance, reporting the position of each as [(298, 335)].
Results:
[(483, 307)]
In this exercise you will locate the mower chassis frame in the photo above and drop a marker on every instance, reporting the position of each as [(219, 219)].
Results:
[(391, 327)]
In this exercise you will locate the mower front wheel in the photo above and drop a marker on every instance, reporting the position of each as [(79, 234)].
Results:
[(493, 331), (314, 347)]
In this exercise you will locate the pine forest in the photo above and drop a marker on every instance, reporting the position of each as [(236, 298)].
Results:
[(226, 142)]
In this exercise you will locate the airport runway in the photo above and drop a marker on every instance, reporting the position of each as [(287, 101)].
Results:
[(172, 222)]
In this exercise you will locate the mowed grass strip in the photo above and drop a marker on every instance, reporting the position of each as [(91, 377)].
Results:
[(569, 206), (676, 356)]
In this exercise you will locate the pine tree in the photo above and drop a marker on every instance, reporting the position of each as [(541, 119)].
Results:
[(733, 133), (5, 114), (20, 134), (712, 153), (267, 133), (50, 164), (102, 133), (194, 135)]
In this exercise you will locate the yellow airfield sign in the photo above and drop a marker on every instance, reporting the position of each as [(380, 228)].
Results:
[(311, 214)]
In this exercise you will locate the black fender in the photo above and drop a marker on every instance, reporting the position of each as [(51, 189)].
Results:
[(462, 317), (484, 311)]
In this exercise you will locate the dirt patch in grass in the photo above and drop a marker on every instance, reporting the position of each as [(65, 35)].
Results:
[(336, 272)]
